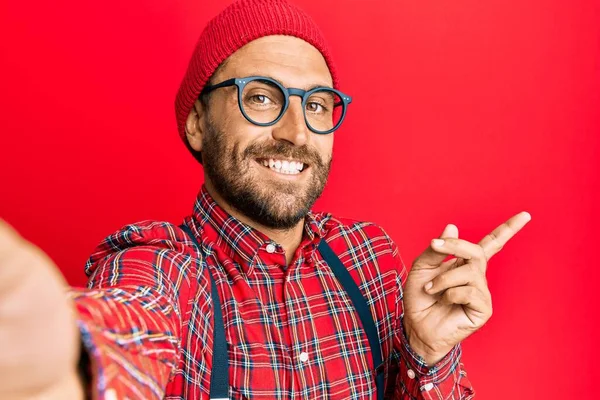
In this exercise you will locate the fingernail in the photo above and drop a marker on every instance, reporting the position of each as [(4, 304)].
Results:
[(438, 242), (527, 215), (428, 286)]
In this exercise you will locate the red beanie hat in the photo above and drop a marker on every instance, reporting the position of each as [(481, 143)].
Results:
[(240, 23)]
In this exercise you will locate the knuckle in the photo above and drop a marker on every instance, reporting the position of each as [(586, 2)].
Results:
[(480, 253), (450, 295), (441, 280), (495, 241), (497, 244)]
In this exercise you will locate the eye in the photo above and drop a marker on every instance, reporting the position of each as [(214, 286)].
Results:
[(314, 107), (260, 99)]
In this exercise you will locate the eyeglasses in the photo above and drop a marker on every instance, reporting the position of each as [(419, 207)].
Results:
[(263, 101)]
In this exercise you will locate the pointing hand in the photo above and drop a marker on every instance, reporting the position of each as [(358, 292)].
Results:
[(446, 301)]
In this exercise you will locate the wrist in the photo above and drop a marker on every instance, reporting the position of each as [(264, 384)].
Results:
[(429, 354), (430, 358)]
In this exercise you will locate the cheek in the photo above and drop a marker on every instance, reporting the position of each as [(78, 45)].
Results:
[(245, 136), (236, 131), (324, 145)]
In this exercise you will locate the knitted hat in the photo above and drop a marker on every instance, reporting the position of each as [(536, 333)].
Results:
[(240, 23)]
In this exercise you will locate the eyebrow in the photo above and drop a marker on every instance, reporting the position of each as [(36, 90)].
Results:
[(308, 89)]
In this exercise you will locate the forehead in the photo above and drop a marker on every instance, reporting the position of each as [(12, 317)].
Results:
[(291, 61)]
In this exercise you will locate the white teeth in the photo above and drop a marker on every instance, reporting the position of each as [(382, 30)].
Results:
[(284, 166)]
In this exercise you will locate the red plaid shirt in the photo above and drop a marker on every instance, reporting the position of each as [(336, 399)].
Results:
[(292, 332)]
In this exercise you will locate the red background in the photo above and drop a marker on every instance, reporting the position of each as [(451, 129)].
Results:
[(465, 112)]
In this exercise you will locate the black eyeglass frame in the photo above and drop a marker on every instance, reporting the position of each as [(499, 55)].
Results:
[(287, 92)]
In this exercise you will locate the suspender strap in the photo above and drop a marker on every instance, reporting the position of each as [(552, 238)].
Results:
[(219, 378), (364, 313)]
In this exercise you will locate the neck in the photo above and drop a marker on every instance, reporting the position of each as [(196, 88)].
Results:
[(289, 239)]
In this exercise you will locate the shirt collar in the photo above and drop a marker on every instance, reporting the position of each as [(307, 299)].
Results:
[(238, 240)]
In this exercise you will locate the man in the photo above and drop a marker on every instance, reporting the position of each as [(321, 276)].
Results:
[(251, 274)]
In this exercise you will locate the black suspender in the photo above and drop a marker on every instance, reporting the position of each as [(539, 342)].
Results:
[(219, 380), (219, 377), (364, 313)]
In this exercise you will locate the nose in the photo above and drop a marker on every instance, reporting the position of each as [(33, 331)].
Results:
[(292, 127)]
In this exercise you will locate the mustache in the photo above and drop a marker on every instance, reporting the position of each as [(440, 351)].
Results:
[(281, 149)]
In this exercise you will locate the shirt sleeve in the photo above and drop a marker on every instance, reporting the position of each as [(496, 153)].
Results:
[(140, 280), (415, 380)]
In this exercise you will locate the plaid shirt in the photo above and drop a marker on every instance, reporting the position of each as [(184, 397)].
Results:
[(292, 331)]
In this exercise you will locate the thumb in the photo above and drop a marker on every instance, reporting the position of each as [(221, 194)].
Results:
[(430, 257)]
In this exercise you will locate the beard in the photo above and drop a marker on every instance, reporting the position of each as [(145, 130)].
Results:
[(272, 203)]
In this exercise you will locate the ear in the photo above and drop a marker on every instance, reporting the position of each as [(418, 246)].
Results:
[(194, 125)]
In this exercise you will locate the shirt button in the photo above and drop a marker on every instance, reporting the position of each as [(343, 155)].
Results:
[(270, 248), (411, 374), (304, 357), (428, 387)]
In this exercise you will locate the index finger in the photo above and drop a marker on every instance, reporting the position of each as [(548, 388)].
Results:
[(493, 242)]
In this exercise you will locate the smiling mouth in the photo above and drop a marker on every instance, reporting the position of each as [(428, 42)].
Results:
[(286, 167)]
